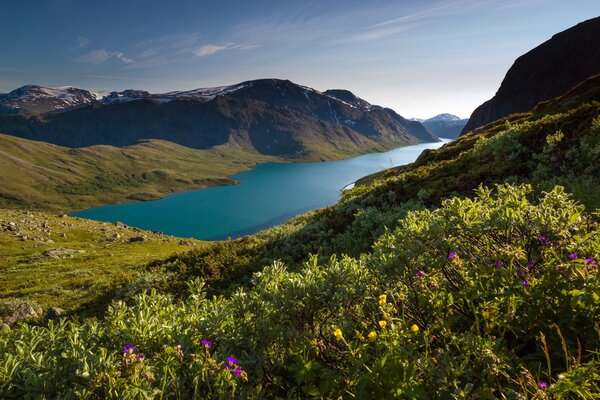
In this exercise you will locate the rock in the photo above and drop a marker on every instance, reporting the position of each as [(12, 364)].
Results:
[(63, 215), (119, 224), (54, 312), (22, 312), (137, 238), (59, 252)]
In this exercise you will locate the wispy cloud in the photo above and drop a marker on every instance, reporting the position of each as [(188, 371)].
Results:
[(102, 55), (210, 49), (82, 42)]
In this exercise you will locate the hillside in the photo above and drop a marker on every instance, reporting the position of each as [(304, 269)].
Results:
[(58, 178), (85, 261), (468, 273), (272, 117), (547, 71)]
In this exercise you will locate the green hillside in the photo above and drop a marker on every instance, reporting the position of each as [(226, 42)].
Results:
[(58, 178), (71, 263), (471, 273)]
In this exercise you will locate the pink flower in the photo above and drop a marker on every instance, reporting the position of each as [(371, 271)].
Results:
[(451, 255)]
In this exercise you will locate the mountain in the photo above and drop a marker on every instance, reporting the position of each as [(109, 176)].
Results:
[(34, 100), (547, 71), (445, 125), (270, 116)]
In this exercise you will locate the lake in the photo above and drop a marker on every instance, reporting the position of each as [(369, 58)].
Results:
[(268, 195)]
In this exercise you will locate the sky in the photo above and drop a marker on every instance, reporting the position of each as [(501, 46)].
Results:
[(418, 57)]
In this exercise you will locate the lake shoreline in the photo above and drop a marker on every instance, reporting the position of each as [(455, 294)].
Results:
[(228, 212)]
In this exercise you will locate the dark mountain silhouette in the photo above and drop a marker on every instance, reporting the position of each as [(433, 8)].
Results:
[(547, 71)]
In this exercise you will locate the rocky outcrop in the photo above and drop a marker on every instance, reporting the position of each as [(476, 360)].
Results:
[(547, 71)]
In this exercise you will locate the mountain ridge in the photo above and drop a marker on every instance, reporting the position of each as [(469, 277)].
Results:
[(547, 71), (245, 113)]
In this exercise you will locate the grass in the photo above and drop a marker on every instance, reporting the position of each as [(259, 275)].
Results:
[(58, 178), (72, 263)]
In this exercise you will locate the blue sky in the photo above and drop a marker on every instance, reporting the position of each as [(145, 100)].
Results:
[(418, 57)]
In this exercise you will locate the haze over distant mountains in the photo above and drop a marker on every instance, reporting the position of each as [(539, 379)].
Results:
[(547, 71), (270, 116), (444, 125)]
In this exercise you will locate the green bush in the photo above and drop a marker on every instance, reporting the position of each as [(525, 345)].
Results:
[(492, 297)]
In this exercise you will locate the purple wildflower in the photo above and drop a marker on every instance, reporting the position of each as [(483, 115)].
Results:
[(232, 360), (543, 385), (525, 283), (589, 260), (207, 343), (543, 239), (238, 371), (573, 256), (420, 274), (520, 272), (432, 285), (498, 264), (141, 357), (594, 266), (451, 255), (530, 263), (128, 348)]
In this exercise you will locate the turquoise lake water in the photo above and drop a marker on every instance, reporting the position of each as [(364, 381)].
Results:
[(268, 195)]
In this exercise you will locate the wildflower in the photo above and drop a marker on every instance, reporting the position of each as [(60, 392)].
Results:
[(573, 256), (140, 357), (520, 272), (238, 371), (128, 348), (372, 335), (432, 285), (207, 343), (594, 266), (420, 274), (451, 255), (530, 263), (543, 385), (382, 299), (232, 360), (382, 324), (498, 264), (589, 260), (414, 328), (543, 239), (338, 333), (525, 283)]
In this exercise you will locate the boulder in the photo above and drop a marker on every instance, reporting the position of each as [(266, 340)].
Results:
[(22, 312)]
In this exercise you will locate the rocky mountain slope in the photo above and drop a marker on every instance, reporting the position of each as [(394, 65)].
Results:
[(445, 125), (545, 72), (35, 100), (272, 117)]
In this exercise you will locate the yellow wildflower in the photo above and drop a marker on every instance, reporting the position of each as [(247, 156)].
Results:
[(337, 333), (372, 335), (382, 300), (382, 324), (414, 328)]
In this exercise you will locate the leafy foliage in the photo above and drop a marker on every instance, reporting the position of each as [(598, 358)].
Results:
[(495, 296)]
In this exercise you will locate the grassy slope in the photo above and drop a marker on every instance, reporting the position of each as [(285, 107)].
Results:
[(44, 176), (98, 258), (38, 175)]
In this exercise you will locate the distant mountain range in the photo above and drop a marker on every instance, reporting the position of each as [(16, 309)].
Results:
[(444, 125), (269, 116), (547, 71)]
